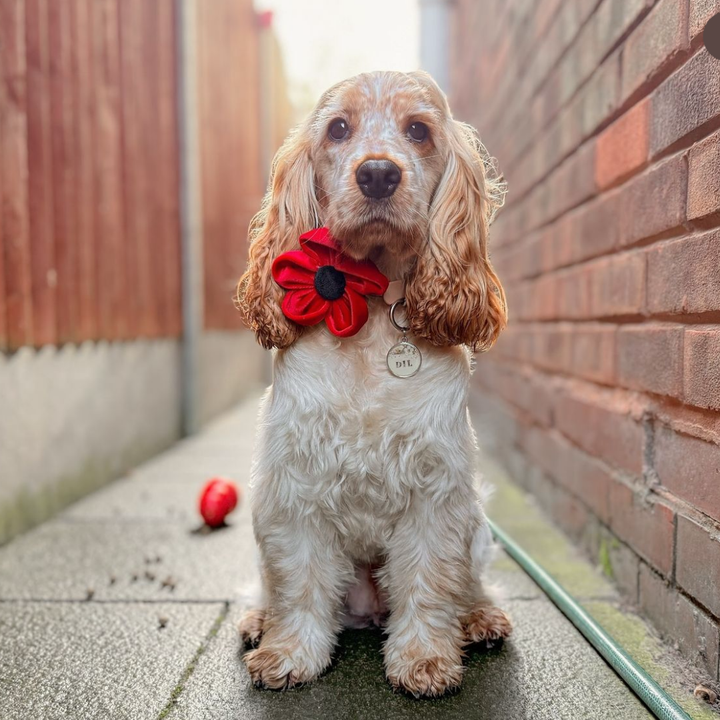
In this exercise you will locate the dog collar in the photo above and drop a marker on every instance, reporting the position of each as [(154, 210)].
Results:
[(322, 283)]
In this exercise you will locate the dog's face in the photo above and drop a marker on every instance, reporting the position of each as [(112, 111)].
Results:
[(377, 165), (382, 163)]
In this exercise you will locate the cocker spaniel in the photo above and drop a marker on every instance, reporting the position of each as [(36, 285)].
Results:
[(363, 500)]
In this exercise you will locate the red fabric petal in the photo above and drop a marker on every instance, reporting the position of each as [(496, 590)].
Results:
[(364, 277), (320, 246), (347, 314), (305, 307), (361, 275), (294, 270)]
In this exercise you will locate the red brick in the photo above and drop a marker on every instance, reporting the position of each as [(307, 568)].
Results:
[(653, 202), (581, 474), (593, 229), (529, 391), (618, 286), (624, 566), (700, 12), (658, 600), (698, 564), (601, 96), (650, 357), (677, 619), (594, 353), (689, 468), (552, 348), (569, 512), (685, 101), (608, 434), (697, 635), (623, 147), (647, 526), (702, 367), (704, 178), (683, 275), (661, 36), (572, 293)]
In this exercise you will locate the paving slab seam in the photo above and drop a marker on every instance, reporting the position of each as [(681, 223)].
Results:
[(190, 668)]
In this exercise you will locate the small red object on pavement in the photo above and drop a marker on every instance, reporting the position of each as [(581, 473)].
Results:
[(217, 500)]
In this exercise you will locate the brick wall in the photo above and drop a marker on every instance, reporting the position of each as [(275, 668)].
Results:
[(603, 395)]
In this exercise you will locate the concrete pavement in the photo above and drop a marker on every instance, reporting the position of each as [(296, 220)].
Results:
[(120, 609)]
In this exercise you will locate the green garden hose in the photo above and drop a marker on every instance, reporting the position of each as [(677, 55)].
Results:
[(654, 697)]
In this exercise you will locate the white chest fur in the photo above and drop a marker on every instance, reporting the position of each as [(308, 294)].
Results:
[(343, 436)]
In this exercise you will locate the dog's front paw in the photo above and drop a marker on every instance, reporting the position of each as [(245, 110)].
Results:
[(486, 623), (273, 668), (425, 676), (251, 626)]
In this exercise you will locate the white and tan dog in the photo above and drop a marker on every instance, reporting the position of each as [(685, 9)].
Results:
[(363, 497)]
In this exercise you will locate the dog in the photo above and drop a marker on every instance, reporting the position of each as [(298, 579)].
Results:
[(363, 497)]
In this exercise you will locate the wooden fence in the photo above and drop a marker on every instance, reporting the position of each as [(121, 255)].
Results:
[(89, 216)]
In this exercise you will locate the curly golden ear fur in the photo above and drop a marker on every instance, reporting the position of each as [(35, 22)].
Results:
[(289, 209), (453, 295)]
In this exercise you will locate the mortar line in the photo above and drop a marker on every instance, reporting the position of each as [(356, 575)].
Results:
[(190, 668)]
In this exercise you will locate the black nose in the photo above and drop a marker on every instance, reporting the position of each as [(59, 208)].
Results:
[(378, 178)]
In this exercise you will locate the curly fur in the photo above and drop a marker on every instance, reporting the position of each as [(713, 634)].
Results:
[(363, 496)]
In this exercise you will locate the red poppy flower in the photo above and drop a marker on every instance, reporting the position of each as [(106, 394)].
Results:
[(324, 284)]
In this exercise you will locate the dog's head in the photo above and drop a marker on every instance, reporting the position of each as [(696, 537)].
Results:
[(382, 164)]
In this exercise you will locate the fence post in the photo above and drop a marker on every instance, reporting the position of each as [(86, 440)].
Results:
[(191, 231)]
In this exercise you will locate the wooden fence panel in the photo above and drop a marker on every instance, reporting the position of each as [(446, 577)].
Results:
[(14, 172), (109, 214), (137, 138), (169, 165), (61, 18), (229, 121), (39, 152), (86, 290)]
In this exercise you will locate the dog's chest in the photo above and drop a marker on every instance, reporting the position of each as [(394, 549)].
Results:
[(360, 438)]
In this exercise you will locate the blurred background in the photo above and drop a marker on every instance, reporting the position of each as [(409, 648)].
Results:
[(135, 142)]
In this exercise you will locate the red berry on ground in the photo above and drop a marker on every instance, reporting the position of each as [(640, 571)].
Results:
[(217, 500)]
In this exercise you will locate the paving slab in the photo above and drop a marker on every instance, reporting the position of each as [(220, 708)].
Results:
[(545, 671), (87, 661), (128, 562)]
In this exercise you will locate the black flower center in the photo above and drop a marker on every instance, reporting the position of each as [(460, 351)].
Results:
[(329, 282)]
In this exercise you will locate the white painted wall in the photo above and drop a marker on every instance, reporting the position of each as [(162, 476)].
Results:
[(76, 417)]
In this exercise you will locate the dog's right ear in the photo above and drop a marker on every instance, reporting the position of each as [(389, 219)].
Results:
[(290, 208)]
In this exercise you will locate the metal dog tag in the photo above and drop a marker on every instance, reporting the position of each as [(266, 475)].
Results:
[(404, 359)]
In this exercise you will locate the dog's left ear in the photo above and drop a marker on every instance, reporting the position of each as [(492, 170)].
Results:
[(453, 294)]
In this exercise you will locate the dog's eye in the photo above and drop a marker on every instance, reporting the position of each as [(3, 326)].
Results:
[(418, 131), (338, 129)]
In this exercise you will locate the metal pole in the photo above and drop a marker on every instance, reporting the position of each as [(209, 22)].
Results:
[(435, 19), (191, 236)]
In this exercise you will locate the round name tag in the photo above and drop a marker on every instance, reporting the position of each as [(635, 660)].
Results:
[(404, 359)]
